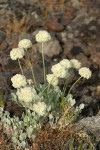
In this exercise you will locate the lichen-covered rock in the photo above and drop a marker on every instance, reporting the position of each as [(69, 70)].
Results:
[(92, 126)]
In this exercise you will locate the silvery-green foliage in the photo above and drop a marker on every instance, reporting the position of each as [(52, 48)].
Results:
[(24, 129), (21, 129), (51, 96)]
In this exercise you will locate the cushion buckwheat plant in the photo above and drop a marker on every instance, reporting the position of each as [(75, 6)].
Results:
[(41, 101)]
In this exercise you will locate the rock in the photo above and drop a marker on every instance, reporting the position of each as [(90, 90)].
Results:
[(31, 2), (70, 35), (88, 100), (67, 47), (2, 37), (63, 36), (38, 73), (95, 57), (69, 14), (51, 48), (76, 50), (3, 83), (10, 66), (83, 59), (92, 126), (3, 45), (54, 25)]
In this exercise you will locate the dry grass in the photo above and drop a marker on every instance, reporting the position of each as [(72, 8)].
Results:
[(18, 26)]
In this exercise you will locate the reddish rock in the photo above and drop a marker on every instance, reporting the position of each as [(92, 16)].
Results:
[(53, 25), (68, 16), (3, 46)]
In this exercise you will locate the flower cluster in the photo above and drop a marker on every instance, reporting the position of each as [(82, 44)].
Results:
[(64, 70), (59, 71), (26, 94), (85, 72), (43, 36), (66, 63), (41, 101), (52, 79), (17, 53), (18, 81), (25, 44), (40, 108), (76, 64)]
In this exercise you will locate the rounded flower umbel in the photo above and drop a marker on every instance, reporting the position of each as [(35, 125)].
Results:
[(25, 44), (18, 81), (85, 72), (43, 36), (59, 71), (40, 108), (75, 63), (66, 63), (26, 94), (52, 79), (17, 53)]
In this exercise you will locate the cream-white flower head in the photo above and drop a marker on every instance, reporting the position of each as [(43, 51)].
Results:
[(26, 94), (17, 53), (75, 63), (18, 81), (59, 71), (81, 106), (85, 72), (40, 108), (43, 36), (66, 63), (52, 79), (25, 44)]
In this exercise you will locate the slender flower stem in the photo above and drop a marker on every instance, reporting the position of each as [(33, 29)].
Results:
[(43, 63), (33, 74), (48, 86), (20, 67), (31, 68), (44, 89), (67, 81), (74, 85)]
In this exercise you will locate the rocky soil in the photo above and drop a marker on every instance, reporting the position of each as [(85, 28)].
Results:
[(75, 29)]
